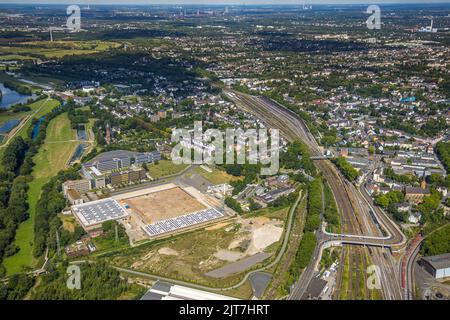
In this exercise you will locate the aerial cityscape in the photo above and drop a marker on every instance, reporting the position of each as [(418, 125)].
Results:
[(224, 151)]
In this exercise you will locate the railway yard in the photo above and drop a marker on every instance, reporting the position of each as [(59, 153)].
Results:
[(363, 241)]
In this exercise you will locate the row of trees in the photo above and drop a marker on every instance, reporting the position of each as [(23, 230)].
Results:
[(331, 213), (233, 204), (315, 206), (13, 196), (309, 241), (408, 179), (346, 168)]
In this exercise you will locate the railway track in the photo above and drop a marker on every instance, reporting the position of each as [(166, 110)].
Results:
[(355, 208)]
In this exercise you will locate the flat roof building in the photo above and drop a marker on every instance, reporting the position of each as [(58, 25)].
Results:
[(74, 197), (167, 291), (91, 215), (81, 186), (119, 159)]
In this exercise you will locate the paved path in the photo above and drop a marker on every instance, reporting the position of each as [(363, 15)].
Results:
[(238, 266)]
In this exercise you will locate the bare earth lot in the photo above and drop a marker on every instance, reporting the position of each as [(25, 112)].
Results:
[(162, 205)]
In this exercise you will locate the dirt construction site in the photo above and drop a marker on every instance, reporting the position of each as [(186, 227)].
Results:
[(160, 203)]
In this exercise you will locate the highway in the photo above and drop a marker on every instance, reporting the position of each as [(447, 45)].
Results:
[(362, 220)]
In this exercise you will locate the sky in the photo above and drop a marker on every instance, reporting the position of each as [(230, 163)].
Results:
[(230, 2)]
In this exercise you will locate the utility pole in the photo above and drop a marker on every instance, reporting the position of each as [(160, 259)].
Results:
[(223, 202), (116, 232), (58, 246)]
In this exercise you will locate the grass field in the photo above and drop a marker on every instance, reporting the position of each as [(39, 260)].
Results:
[(56, 49), (165, 168), (10, 57), (52, 157), (217, 176), (5, 116), (39, 109)]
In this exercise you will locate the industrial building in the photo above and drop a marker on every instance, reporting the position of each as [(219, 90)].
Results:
[(167, 291), (120, 159), (437, 266), (117, 167), (91, 215)]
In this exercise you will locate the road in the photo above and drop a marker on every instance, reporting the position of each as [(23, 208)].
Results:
[(360, 217)]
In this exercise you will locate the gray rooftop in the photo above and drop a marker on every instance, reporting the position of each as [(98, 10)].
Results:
[(106, 156), (439, 262), (97, 212)]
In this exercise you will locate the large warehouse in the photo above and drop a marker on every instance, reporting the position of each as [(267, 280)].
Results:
[(91, 215), (438, 266), (167, 291)]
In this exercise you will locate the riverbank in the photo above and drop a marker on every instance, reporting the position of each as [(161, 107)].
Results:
[(52, 157)]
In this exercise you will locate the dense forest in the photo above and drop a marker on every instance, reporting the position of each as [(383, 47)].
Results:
[(98, 282), (47, 223), (17, 287), (13, 196), (438, 242)]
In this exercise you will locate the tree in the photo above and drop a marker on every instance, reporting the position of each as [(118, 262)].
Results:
[(233, 204), (346, 168)]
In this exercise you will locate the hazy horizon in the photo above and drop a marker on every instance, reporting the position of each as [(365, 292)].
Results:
[(222, 2)]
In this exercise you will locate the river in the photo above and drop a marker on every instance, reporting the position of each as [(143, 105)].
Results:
[(11, 97)]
